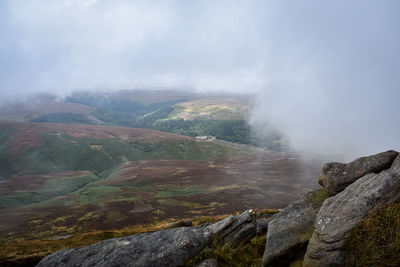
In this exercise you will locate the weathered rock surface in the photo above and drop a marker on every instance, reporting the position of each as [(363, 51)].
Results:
[(335, 176), (340, 213), (262, 226), (242, 235), (208, 263), (396, 162), (238, 221), (290, 229), (171, 247), (242, 229)]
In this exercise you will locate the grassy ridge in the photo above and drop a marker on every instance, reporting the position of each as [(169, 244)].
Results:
[(102, 158), (61, 153), (63, 118)]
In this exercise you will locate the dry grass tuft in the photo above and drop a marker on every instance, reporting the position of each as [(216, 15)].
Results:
[(375, 241)]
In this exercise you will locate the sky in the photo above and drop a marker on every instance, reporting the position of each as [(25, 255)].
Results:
[(326, 73)]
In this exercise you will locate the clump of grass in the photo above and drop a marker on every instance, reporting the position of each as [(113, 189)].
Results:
[(248, 254), (270, 211), (375, 241), (318, 196)]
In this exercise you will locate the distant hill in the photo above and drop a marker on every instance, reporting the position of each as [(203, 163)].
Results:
[(224, 117), (212, 108), (37, 148), (29, 109)]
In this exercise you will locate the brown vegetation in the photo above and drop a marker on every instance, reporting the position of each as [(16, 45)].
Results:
[(375, 241), (26, 135)]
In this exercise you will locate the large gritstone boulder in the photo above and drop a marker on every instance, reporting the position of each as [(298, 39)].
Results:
[(396, 162), (171, 247), (335, 176), (290, 229), (340, 213)]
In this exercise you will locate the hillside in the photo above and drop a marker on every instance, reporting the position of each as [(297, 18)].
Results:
[(37, 106), (43, 147), (71, 179), (222, 116), (212, 108), (352, 221)]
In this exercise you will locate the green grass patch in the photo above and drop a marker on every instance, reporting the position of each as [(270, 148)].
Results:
[(63, 118), (7, 167), (184, 191), (318, 197), (51, 189), (249, 254), (98, 194), (61, 153)]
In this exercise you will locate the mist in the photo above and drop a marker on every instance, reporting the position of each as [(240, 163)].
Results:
[(325, 73)]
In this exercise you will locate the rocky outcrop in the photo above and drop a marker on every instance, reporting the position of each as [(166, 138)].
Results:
[(340, 213), (171, 247), (396, 162), (242, 235), (237, 222), (242, 229), (335, 176), (290, 229), (163, 248), (262, 226)]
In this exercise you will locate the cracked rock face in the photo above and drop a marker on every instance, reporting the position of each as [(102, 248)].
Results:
[(290, 230), (340, 213), (335, 176), (171, 247)]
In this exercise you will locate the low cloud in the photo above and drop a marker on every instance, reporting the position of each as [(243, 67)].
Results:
[(325, 72)]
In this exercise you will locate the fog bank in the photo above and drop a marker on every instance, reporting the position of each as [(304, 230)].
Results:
[(326, 73)]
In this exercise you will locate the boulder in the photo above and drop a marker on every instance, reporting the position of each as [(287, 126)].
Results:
[(208, 263), (396, 162), (262, 226), (242, 229), (335, 176), (242, 235), (237, 222), (290, 229), (340, 213), (171, 247)]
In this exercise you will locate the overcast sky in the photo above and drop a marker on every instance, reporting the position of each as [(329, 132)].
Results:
[(327, 73)]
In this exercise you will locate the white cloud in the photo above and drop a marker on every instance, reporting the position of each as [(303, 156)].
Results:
[(326, 72)]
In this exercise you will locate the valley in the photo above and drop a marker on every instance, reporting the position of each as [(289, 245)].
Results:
[(63, 182)]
